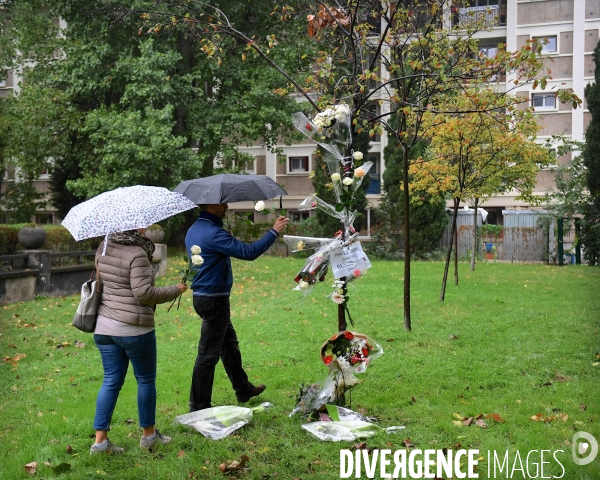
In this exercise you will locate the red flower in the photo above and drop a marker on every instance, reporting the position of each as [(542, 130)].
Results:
[(355, 360), (348, 335), (328, 359), (365, 352), (309, 127)]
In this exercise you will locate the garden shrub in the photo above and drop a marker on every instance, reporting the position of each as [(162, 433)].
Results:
[(59, 239), (9, 241)]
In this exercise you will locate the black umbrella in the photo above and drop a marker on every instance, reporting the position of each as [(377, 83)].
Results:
[(229, 188)]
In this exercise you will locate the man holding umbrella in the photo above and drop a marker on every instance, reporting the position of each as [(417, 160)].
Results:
[(211, 289)]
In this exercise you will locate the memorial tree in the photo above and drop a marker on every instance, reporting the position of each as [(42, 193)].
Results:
[(381, 60)]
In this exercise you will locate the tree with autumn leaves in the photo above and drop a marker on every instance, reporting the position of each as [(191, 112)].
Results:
[(481, 153), (400, 60)]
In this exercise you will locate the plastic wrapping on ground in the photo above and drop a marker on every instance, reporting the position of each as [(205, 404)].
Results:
[(219, 422), (345, 425), (340, 431)]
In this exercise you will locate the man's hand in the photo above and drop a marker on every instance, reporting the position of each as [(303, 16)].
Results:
[(280, 224), (182, 287)]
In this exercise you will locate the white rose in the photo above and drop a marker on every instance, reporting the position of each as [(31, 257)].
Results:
[(195, 249), (347, 181), (197, 260), (260, 206), (357, 155), (335, 177)]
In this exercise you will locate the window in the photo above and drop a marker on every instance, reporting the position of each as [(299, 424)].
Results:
[(44, 218), (543, 101), (298, 164), (297, 217), (488, 51), (374, 180), (45, 173), (549, 44)]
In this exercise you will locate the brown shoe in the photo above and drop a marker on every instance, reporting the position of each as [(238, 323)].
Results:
[(258, 389)]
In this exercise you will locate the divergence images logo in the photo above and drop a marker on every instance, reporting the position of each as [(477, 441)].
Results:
[(585, 448)]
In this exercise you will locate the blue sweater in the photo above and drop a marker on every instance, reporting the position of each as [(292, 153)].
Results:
[(215, 277)]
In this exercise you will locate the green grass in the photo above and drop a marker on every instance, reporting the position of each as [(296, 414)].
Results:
[(512, 340)]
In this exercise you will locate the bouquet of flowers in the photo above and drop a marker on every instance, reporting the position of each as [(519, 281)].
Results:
[(345, 353), (350, 352), (194, 262)]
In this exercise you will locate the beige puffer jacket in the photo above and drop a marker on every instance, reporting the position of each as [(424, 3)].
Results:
[(129, 294)]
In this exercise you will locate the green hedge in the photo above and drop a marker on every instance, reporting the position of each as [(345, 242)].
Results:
[(58, 239)]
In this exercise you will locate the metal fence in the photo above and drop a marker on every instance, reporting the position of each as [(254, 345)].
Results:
[(464, 228), (524, 238)]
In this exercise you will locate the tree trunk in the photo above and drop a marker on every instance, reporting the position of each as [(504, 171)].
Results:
[(456, 256), (474, 235), (407, 323), (449, 254)]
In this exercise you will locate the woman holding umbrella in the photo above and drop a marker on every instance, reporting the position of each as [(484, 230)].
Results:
[(125, 332)]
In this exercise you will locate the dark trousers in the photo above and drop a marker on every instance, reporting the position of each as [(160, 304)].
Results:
[(217, 340)]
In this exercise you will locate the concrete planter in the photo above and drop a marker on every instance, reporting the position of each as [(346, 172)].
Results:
[(31, 238)]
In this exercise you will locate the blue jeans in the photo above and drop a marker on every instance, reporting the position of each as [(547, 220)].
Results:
[(218, 340), (116, 353)]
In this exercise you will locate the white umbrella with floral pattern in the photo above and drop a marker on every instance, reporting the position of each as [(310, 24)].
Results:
[(125, 208)]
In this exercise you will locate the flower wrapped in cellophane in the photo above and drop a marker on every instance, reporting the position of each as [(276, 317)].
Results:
[(346, 354), (350, 352), (331, 129)]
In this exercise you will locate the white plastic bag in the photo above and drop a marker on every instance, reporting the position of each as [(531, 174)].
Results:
[(348, 430), (219, 422)]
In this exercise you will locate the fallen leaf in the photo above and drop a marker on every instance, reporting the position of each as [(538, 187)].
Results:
[(181, 454), (480, 423), (582, 407), (30, 468), (79, 344), (467, 421), (69, 449), (495, 417), (408, 443), (360, 446), (539, 417), (561, 416)]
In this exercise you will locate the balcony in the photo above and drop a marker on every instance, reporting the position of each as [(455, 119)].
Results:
[(493, 15)]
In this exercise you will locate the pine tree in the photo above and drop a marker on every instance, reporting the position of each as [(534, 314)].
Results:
[(590, 235)]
